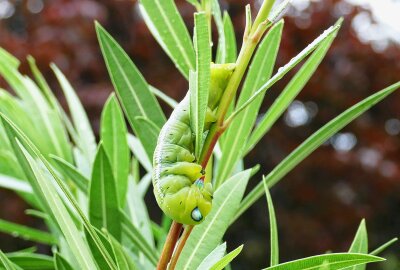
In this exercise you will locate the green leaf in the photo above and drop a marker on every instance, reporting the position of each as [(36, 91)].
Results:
[(101, 262), (161, 95), (8, 59), (168, 28), (136, 237), (313, 142), (289, 93), (60, 263), (360, 244), (123, 259), (230, 40), (72, 173), (114, 137), (227, 49), (42, 83), (274, 246), (64, 220), (103, 200), (207, 235), (333, 261), (383, 247), (27, 233), (48, 130), (13, 134), (199, 81), (282, 71), (259, 72), (227, 259), (14, 184), (214, 257), (132, 89), (86, 140), (8, 265), (139, 152), (221, 49), (151, 128), (136, 207), (31, 261)]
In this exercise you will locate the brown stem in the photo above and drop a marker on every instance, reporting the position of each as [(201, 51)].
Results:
[(186, 232), (169, 245)]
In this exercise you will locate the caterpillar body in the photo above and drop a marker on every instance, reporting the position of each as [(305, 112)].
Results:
[(177, 179)]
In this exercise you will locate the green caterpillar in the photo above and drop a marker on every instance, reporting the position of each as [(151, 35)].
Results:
[(177, 179)]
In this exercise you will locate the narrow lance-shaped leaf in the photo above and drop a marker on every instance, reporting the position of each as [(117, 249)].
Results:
[(274, 246), (8, 58), (27, 233), (123, 259), (200, 80), (72, 173), (136, 207), (164, 97), (86, 140), (61, 215), (136, 237), (259, 72), (289, 93), (207, 235), (114, 137), (60, 263), (6, 263), (214, 257), (132, 90), (51, 98), (333, 261), (31, 261), (168, 28), (282, 71), (13, 132), (381, 248), (313, 142), (221, 264), (360, 244), (217, 15), (14, 184), (139, 152), (103, 200), (230, 39)]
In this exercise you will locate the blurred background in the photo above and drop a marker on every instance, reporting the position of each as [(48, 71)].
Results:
[(319, 205)]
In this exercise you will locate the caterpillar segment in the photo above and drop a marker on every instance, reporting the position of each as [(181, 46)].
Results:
[(178, 182)]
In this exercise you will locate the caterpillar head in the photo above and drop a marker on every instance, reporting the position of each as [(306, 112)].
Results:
[(190, 205)]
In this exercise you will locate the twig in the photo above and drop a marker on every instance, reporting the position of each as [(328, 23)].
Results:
[(169, 245), (186, 232)]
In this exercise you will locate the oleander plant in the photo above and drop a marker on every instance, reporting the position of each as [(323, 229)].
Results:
[(90, 193)]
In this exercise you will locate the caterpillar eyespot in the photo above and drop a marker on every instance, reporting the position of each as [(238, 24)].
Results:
[(177, 179)]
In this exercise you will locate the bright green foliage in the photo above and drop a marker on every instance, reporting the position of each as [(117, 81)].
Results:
[(103, 198), (274, 258), (360, 244), (199, 86), (333, 261), (227, 259), (259, 72), (113, 135), (92, 202), (167, 26), (132, 90)]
